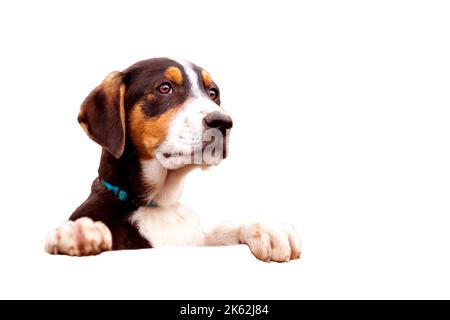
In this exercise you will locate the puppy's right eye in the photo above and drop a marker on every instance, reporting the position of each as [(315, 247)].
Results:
[(165, 88)]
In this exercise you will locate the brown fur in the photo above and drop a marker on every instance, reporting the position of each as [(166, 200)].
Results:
[(148, 133), (102, 114), (174, 74), (207, 80)]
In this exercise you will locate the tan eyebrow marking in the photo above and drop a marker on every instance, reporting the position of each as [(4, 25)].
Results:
[(206, 78), (174, 74)]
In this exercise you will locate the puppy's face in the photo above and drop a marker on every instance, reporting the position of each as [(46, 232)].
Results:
[(167, 109)]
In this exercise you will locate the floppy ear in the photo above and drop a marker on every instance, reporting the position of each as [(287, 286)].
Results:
[(102, 114)]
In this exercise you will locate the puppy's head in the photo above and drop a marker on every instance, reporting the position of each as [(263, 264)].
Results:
[(165, 109)]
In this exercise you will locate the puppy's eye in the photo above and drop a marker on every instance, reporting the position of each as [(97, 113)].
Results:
[(213, 93), (165, 88)]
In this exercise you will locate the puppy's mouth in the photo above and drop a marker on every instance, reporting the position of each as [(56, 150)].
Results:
[(206, 149), (212, 142), (204, 155)]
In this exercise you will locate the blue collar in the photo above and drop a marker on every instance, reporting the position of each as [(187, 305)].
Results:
[(122, 194)]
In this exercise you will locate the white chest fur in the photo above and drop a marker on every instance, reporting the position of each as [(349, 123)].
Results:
[(169, 226)]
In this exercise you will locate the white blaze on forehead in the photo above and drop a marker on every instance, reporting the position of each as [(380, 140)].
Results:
[(188, 68)]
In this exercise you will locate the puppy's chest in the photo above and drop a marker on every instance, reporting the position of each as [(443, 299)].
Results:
[(168, 226)]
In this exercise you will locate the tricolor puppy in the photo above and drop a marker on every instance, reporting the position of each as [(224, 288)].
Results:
[(156, 121)]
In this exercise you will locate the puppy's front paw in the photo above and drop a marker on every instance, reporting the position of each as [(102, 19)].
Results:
[(82, 237), (267, 243)]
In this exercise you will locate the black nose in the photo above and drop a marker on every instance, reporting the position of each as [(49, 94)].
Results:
[(218, 120)]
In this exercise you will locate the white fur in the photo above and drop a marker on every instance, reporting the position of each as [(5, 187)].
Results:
[(165, 185), (154, 175), (173, 186), (171, 225), (192, 76), (168, 224)]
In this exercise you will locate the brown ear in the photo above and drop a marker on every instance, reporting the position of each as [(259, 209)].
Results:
[(102, 114)]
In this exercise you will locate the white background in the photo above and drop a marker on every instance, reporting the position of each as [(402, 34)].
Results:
[(341, 112)]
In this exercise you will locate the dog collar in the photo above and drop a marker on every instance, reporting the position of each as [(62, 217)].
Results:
[(122, 194)]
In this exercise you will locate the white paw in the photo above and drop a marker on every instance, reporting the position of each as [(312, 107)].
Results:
[(279, 243), (82, 237)]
